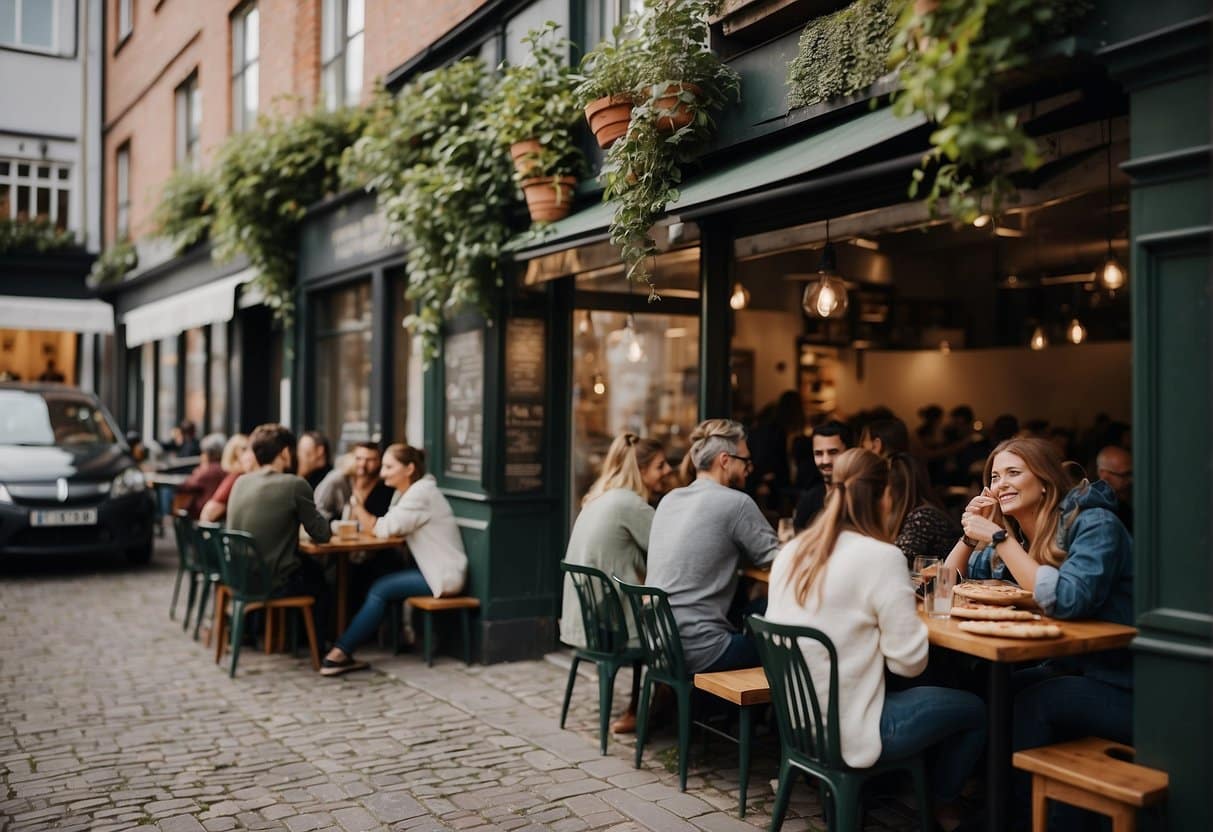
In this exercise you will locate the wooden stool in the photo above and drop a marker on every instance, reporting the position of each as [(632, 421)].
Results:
[(1092, 774), (428, 605), (745, 689)]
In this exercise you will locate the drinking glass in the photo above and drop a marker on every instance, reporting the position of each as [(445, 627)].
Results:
[(786, 531), (937, 599), (924, 568)]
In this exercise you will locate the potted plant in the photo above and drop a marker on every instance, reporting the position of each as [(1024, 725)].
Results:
[(608, 82), (533, 111)]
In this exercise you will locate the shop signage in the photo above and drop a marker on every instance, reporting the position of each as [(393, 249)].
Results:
[(352, 234), (463, 361), (525, 398)]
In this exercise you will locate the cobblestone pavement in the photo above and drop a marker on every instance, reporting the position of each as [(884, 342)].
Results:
[(114, 719)]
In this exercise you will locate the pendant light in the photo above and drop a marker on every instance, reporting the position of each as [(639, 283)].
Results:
[(634, 347), (586, 325), (740, 298), (599, 384), (1076, 333), (1112, 275), (1039, 340), (826, 297)]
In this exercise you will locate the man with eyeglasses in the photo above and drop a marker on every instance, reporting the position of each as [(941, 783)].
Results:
[(700, 536), (1114, 465)]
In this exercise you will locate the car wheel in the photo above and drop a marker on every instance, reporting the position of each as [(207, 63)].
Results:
[(139, 555)]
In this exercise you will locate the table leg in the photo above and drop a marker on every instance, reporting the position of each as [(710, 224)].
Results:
[(743, 763), (343, 577), (998, 747)]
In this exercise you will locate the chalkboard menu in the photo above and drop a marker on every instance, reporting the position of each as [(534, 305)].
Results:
[(525, 395), (463, 359)]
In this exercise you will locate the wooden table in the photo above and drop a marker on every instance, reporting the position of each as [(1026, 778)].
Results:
[(1078, 637), (342, 549)]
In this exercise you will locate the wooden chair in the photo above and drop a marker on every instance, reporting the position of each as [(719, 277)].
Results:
[(188, 566), (427, 605), (606, 640), (808, 738), (247, 587), (746, 689), (1093, 774)]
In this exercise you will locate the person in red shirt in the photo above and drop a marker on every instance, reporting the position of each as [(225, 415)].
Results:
[(205, 479)]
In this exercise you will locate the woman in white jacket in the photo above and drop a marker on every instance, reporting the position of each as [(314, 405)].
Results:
[(422, 515), (843, 576)]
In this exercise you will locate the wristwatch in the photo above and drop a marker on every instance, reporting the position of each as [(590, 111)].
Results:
[(998, 537)]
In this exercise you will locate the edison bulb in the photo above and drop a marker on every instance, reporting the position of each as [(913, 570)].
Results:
[(740, 298), (1076, 332), (635, 352), (1113, 276), (1039, 340)]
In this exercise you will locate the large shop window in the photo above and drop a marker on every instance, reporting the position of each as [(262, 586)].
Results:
[(195, 376), (343, 364), (218, 373), (166, 387)]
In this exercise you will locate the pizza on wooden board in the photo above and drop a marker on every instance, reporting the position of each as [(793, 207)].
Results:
[(993, 592), (1011, 629), (990, 612)]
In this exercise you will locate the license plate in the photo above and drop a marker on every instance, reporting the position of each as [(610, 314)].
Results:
[(64, 517)]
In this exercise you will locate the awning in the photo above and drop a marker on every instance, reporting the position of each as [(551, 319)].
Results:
[(214, 302), (777, 167), (56, 314)]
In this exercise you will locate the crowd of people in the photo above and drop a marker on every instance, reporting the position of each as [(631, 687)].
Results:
[(873, 500)]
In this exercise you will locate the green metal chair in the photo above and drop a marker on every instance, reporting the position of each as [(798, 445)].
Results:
[(606, 640), (665, 663), (249, 588), (209, 550), (188, 566), (809, 739)]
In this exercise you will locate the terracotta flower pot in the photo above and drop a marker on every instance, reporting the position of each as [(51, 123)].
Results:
[(526, 156), (549, 198), (678, 113), (609, 118)]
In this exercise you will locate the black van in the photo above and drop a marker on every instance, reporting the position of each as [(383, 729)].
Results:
[(67, 480)]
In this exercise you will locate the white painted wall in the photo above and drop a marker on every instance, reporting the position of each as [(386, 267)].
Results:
[(772, 337)]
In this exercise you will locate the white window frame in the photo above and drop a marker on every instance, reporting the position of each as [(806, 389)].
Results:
[(58, 180), (122, 189), (246, 69), (17, 43), (188, 102), (341, 82), (126, 19)]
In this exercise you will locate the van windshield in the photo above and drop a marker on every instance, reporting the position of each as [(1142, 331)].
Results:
[(47, 419)]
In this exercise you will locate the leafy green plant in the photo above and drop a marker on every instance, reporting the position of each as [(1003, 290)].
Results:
[(36, 235), (643, 170), (448, 196), (113, 263), (952, 58), (841, 53), (611, 68), (186, 210), (265, 181)]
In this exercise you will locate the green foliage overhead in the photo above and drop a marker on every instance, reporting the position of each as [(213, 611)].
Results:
[(36, 235), (186, 210), (953, 58), (611, 68), (265, 181), (113, 263), (841, 53)]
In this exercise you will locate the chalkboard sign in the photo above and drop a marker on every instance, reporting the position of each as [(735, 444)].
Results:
[(525, 397), (463, 359)]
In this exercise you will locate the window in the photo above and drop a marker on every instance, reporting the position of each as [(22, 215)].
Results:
[(29, 24), (189, 122), (195, 376), (218, 378), (343, 364), (341, 51), (166, 386), (122, 179), (35, 190), (246, 52), (126, 18), (533, 17), (602, 16)]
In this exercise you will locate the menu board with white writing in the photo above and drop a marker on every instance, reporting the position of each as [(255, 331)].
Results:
[(525, 395), (463, 360)]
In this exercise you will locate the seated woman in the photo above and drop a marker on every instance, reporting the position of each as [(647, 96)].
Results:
[(422, 515), (1032, 524), (917, 519), (612, 534), (237, 460), (843, 576)]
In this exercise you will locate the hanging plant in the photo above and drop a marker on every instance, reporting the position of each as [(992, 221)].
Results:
[(447, 195), (606, 84), (841, 53), (186, 211), (36, 235), (681, 81), (532, 112), (265, 181), (952, 55), (113, 264)]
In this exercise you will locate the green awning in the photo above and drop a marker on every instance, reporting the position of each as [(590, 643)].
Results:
[(783, 165)]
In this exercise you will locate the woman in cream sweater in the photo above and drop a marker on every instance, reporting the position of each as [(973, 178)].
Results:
[(843, 576)]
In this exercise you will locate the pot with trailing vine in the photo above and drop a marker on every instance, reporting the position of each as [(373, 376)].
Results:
[(675, 107), (549, 198), (609, 118)]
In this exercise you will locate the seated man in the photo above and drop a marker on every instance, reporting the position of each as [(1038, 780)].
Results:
[(200, 485), (313, 457), (270, 503), (358, 485), (829, 440), (700, 534)]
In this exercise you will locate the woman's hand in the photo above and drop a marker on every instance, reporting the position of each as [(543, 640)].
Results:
[(982, 505), (978, 528)]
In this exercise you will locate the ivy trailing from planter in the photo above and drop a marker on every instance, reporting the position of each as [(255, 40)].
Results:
[(36, 235), (445, 188), (841, 53), (953, 54), (265, 181), (186, 211), (113, 263)]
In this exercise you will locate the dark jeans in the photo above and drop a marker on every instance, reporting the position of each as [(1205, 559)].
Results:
[(308, 579), (394, 587), (949, 725), (740, 653)]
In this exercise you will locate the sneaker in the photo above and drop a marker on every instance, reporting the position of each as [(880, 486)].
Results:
[(328, 667)]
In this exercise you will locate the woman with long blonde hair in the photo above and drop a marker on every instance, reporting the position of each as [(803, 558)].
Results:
[(612, 534), (843, 576)]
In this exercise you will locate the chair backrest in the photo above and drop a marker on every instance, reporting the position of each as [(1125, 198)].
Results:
[(658, 629), (606, 629), (183, 532), (210, 550), (240, 566), (802, 725)]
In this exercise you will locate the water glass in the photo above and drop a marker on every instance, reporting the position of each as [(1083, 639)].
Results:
[(937, 598), (924, 568)]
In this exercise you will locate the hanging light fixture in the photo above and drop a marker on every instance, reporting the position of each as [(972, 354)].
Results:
[(1112, 276), (599, 384), (632, 344), (1076, 333), (1039, 340), (586, 325), (740, 298), (826, 297)]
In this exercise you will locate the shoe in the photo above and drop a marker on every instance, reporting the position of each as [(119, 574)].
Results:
[(626, 724), (328, 667)]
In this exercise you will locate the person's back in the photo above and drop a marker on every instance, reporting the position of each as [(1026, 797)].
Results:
[(270, 506)]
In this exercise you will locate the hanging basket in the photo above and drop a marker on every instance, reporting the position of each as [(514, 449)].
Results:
[(609, 118), (674, 112), (549, 198)]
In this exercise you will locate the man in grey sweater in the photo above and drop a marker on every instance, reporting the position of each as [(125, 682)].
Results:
[(700, 534)]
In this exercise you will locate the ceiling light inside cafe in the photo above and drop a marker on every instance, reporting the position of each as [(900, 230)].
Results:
[(1076, 333), (1038, 340), (826, 297), (740, 298), (982, 221), (1112, 276)]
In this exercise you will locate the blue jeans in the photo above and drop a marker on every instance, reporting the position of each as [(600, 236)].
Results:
[(394, 587), (950, 725), (740, 653)]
